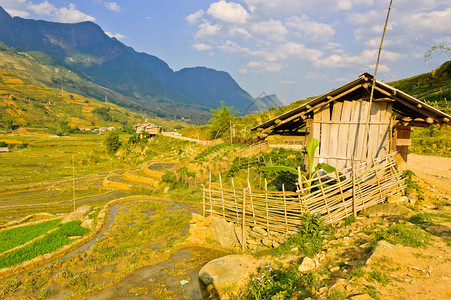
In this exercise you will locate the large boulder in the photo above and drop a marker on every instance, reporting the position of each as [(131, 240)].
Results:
[(224, 233), (78, 214), (382, 249), (228, 274), (386, 209)]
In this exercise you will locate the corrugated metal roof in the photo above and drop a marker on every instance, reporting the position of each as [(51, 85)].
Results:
[(426, 110)]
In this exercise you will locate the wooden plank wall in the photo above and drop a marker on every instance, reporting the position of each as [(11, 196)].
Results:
[(341, 132)]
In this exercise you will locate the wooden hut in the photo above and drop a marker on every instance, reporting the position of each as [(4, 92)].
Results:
[(338, 120), (150, 128)]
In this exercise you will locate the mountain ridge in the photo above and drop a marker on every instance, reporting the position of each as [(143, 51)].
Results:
[(86, 49)]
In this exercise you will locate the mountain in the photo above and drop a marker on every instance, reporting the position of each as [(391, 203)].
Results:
[(263, 102), (86, 50)]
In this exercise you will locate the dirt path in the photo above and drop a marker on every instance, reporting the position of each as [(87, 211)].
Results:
[(434, 170)]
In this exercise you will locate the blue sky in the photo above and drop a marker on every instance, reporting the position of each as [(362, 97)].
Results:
[(299, 48)]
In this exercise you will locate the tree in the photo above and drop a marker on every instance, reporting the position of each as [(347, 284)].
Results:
[(111, 141), (440, 48), (220, 123)]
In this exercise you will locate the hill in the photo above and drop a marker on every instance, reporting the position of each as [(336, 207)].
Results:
[(152, 85), (28, 104), (433, 87)]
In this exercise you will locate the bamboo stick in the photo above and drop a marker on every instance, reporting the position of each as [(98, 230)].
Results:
[(243, 227)]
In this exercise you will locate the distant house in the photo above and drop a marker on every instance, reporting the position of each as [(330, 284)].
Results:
[(150, 128), (339, 121), (4, 149)]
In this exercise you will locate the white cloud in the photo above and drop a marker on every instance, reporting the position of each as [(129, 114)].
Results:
[(260, 67), (315, 30), (194, 17), (44, 8), (116, 35), (206, 29), (229, 12), (22, 8), (289, 82), (364, 59), (113, 6), (202, 47), (232, 47), (72, 15), (17, 13), (272, 30)]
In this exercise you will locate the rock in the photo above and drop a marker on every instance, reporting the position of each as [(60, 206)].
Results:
[(334, 269), (255, 235), (228, 273), (260, 230), (386, 209), (382, 249), (323, 290), (267, 242), (224, 233), (307, 264), (78, 214), (88, 224), (275, 244), (356, 263), (361, 297), (397, 199)]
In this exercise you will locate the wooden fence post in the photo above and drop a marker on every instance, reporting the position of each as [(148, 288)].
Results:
[(209, 189), (285, 208), (243, 223), (354, 208), (266, 205), (203, 201), (251, 200), (235, 198), (222, 196)]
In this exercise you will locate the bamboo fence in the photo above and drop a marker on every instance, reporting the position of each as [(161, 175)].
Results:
[(333, 196)]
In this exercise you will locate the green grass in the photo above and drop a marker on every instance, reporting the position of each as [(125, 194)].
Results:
[(18, 236), (404, 235), (48, 244)]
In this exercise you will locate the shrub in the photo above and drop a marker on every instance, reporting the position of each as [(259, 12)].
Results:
[(111, 141), (275, 282)]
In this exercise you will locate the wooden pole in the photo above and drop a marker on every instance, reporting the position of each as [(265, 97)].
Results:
[(354, 208), (209, 189), (251, 200), (222, 195), (243, 223), (365, 142), (203, 201), (285, 208), (234, 197), (73, 179), (266, 205)]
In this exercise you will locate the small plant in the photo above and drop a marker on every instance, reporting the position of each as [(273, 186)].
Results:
[(380, 276), (272, 281)]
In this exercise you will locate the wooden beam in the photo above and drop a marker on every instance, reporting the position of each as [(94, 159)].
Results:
[(422, 112)]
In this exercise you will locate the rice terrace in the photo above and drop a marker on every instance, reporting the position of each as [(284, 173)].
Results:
[(121, 178)]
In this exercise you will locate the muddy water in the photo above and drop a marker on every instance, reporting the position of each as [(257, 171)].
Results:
[(175, 278), (111, 217)]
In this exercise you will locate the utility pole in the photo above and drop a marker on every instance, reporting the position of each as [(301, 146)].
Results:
[(230, 132), (73, 180)]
